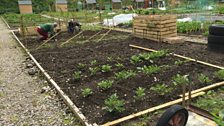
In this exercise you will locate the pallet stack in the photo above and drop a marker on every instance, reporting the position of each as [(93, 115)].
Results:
[(155, 27)]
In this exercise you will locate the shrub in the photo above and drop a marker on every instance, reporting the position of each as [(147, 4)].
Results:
[(161, 89), (86, 92), (203, 78), (124, 74), (106, 68), (77, 75), (113, 104), (150, 69), (106, 84), (139, 93), (220, 74), (179, 79)]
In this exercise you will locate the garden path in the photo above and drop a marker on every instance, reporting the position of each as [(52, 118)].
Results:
[(23, 100)]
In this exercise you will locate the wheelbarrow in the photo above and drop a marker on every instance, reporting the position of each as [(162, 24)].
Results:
[(186, 115)]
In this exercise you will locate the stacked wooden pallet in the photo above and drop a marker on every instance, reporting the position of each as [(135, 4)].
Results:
[(155, 27)]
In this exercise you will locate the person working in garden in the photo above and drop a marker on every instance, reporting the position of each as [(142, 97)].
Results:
[(73, 26), (45, 29)]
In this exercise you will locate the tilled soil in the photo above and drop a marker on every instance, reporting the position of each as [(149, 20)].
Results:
[(61, 63)]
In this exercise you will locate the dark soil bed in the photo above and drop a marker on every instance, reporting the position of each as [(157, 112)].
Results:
[(62, 62)]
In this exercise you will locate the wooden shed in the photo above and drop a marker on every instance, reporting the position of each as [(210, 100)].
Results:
[(61, 5), (139, 4), (116, 4), (90, 4), (25, 6)]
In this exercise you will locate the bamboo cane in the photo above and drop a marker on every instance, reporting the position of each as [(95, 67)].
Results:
[(104, 35), (112, 123), (71, 38), (48, 40)]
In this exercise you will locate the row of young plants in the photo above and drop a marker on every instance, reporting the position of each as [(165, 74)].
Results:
[(106, 68), (194, 26), (113, 103)]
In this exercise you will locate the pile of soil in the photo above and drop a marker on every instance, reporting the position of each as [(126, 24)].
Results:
[(62, 62)]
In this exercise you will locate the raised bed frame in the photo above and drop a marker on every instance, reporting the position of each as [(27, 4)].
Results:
[(83, 119)]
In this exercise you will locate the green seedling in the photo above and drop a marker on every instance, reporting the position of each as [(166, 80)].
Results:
[(119, 65), (113, 104), (161, 89), (106, 68), (106, 84), (93, 62), (179, 80), (86, 92), (81, 65), (220, 74), (77, 75), (203, 78), (150, 69), (124, 75), (94, 70), (139, 93)]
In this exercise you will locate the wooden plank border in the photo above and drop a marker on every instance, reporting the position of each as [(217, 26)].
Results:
[(66, 99), (5, 22)]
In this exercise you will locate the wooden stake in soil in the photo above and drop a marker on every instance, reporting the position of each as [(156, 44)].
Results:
[(210, 87), (94, 35), (71, 38), (48, 40), (104, 35)]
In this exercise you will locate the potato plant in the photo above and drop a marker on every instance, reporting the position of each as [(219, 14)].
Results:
[(220, 74), (86, 92), (105, 84), (180, 79), (148, 56), (139, 93), (119, 65), (77, 75), (203, 78), (81, 65), (106, 68), (114, 104), (93, 62), (150, 69), (124, 74), (161, 89), (94, 70)]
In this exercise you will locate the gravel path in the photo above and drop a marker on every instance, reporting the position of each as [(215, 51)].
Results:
[(26, 100)]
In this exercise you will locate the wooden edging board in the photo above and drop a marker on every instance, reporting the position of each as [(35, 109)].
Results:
[(66, 99), (6, 22)]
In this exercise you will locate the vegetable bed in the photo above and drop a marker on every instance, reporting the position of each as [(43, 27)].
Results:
[(108, 79)]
